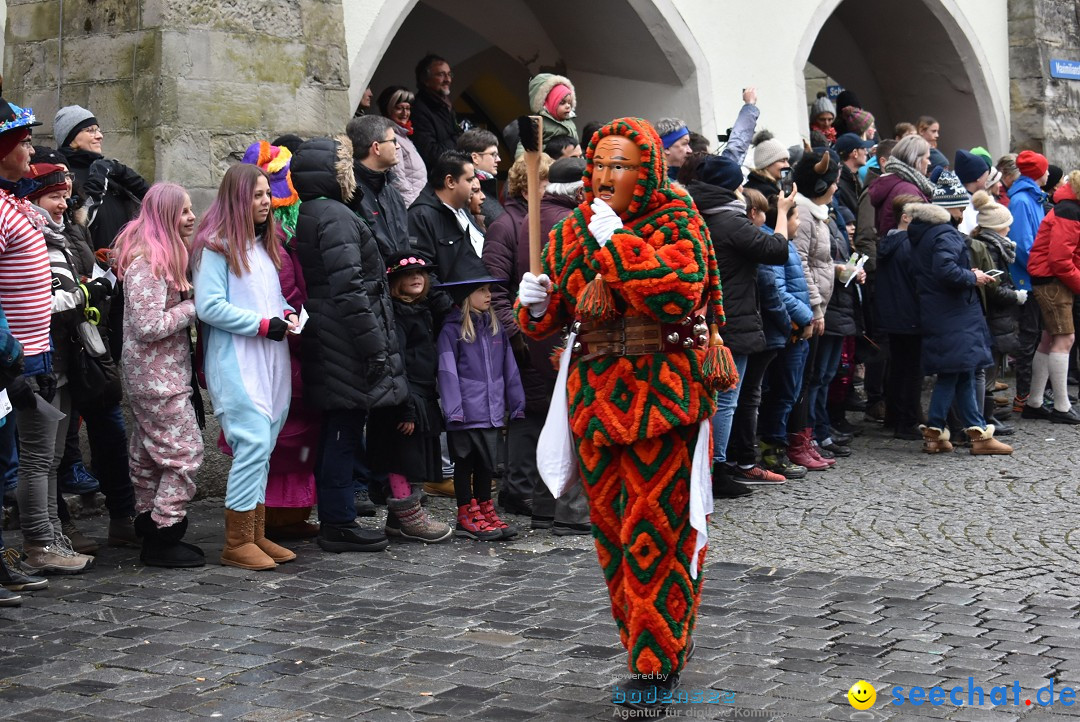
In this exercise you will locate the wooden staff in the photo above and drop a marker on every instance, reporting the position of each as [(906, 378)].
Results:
[(531, 130)]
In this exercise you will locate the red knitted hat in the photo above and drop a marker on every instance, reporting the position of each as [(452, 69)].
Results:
[(1033, 165)]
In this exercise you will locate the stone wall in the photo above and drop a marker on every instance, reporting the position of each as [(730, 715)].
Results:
[(181, 87), (1045, 110)]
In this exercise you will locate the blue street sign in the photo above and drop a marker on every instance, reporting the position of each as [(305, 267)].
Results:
[(1067, 69), (833, 91)]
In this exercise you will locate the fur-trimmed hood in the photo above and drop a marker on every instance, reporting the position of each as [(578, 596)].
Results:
[(542, 84), (323, 167), (927, 213), (1070, 190)]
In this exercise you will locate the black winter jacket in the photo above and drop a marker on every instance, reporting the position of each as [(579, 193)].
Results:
[(349, 345), (740, 247), (1002, 307), (435, 126), (841, 315), (435, 231), (762, 184), (108, 190), (381, 206)]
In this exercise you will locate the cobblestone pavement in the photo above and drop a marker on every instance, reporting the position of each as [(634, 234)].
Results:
[(895, 567)]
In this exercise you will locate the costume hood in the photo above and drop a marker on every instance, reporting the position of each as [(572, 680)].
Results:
[(542, 84)]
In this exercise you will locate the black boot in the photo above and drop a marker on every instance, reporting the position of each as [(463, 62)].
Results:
[(14, 580), (162, 547), (724, 487)]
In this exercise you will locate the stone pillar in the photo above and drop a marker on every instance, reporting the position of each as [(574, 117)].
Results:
[(1044, 109), (181, 87)]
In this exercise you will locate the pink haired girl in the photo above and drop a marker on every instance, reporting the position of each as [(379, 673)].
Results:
[(166, 446)]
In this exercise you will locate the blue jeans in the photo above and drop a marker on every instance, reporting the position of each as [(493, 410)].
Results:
[(725, 410), (958, 388), (342, 434), (818, 393), (780, 391)]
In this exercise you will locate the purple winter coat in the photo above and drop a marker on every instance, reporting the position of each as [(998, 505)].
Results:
[(479, 381), (882, 191)]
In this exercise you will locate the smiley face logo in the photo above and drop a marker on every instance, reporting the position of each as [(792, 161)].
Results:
[(862, 695)]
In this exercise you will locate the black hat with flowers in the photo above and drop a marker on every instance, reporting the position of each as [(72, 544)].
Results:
[(408, 261)]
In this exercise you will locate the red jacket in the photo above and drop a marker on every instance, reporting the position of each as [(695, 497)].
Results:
[(1056, 251)]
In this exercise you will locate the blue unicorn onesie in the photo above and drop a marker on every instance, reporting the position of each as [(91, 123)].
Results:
[(248, 375)]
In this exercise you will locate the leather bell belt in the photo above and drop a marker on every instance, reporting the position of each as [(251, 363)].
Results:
[(638, 335)]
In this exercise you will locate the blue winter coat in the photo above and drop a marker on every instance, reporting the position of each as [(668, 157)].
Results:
[(792, 288), (775, 320), (1026, 205), (896, 297), (955, 336), (479, 384)]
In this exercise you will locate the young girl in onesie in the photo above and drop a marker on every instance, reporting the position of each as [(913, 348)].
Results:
[(407, 436), (479, 386), (166, 446), (235, 259)]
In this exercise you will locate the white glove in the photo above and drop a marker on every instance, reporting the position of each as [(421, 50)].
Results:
[(1021, 296), (604, 222), (534, 293)]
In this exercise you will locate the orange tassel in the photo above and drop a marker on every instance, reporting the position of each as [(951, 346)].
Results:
[(718, 368), (597, 302)]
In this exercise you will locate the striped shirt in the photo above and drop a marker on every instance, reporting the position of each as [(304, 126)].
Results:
[(25, 278)]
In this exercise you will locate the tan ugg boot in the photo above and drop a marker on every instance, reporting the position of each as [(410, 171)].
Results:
[(275, 551), (984, 443), (935, 441), (240, 550)]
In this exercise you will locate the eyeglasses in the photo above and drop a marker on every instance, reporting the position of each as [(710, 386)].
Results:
[(493, 153), (391, 140), (69, 176), (91, 129)]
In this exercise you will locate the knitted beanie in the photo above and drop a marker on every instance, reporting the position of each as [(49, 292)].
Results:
[(969, 167), (858, 120), (821, 105), (768, 152), (949, 192), (1032, 164), (721, 172), (1055, 174), (49, 178), (991, 214), (984, 154), (69, 121)]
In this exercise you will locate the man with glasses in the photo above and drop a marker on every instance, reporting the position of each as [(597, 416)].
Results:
[(483, 147), (435, 125), (375, 152)]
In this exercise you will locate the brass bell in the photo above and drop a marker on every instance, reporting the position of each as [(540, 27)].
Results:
[(702, 340), (576, 347), (688, 342), (700, 328), (576, 328), (672, 337)]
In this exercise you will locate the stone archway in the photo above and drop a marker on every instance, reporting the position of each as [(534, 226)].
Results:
[(646, 61), (906, 58)]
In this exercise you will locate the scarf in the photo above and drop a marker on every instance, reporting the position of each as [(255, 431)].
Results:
[(828, 131), (1005, 246), (900, 168), (407, 125)]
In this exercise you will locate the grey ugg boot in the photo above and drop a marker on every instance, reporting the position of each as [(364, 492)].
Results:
[(406, 519)]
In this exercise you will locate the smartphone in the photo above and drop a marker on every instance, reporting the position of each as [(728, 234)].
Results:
[(995, 273), (786, 181)]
